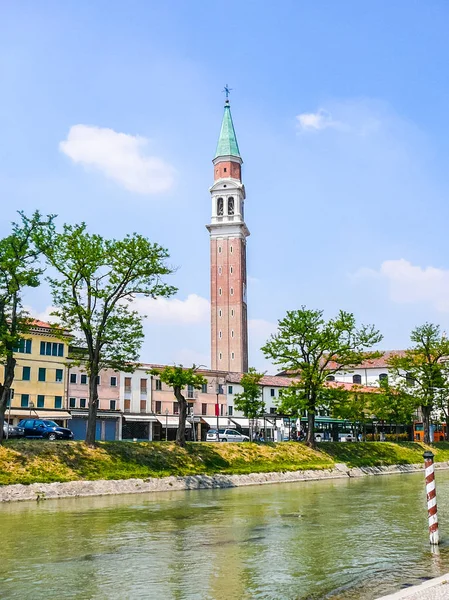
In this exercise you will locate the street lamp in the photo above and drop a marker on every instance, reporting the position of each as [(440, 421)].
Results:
[(166, 424)]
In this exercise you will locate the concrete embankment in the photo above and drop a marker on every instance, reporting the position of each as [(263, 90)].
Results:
[(41, 491), (435, 589)]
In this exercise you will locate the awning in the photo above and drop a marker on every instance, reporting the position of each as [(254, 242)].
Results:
[(223, 422), (259, 423), (101, 414), (140, 418), (170, 422), (38, 414)]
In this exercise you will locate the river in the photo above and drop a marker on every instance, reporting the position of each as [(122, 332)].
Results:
[(349, 538)]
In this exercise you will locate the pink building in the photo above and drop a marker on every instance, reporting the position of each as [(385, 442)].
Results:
[(109, 417)]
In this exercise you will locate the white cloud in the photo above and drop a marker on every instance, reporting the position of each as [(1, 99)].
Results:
[(194, 309), (317, 121), (409, 283), (44, 315), (120, 157)]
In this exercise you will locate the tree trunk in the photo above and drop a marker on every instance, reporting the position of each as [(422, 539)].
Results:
[(426, 410), (310, 440), (5, 390), (93, 408), (181, 431)]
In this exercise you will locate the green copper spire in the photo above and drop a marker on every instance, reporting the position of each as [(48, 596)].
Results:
[(227, 142)]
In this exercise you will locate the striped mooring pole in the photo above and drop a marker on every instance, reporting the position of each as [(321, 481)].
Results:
[(431, 498)]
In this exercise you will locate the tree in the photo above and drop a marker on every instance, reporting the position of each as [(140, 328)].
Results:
[(178, 378), (19, 270), (93, 290), (423, 366), (250, 401), (312, 348), (393, 404), (353, 406)]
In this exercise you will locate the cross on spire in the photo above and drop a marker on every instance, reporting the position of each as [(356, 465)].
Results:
[(227, 90)]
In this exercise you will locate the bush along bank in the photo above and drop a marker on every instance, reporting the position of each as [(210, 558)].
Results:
[(35, 461)]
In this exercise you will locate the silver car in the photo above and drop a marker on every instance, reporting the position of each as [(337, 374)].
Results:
[(226, 435)]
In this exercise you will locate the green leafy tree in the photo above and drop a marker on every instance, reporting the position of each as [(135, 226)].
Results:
[(95, 284), (424, 365), (353, 406), (19, 269), (178, 378), (250, 401), (393, 404), (312, 348)]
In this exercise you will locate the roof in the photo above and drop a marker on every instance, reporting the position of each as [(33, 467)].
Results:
[(37, 323), (372, 363), (227, 142), (268, 380)]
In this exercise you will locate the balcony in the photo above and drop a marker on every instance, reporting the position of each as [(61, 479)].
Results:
[(192, 395)]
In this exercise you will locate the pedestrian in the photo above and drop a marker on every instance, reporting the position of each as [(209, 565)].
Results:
[(360, 437)]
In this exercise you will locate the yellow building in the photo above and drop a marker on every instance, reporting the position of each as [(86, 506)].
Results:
[(40, 381)]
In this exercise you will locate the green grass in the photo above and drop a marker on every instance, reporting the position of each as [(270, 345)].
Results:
[(32, 461)]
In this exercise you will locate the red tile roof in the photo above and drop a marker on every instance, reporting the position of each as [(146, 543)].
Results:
[(38, 323), (372, 363)]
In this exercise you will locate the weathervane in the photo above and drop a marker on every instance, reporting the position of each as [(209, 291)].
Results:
[(227, 90)]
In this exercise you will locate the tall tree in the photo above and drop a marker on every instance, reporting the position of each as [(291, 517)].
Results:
[(312, 348), (250, 401), (19, 269), (93, 290), (178, 378), (425, 366), (393, 404)]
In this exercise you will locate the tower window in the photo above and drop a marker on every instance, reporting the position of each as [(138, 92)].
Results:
[(219, 334), (230, 206), (231, 270), (231, 249), (219, 249), (220, 207), (232, 291), (219, 291), (219, 313), (219, 270), (232, 333), (219, 356), (225, 170), (232, 312), (232, 355)]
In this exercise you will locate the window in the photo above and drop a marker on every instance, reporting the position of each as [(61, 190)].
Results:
[(72, 377), (219, 249), (272, 392), (231, 270), (409, 379), (225, 170), (219, 356), (220, 206), (127, 384), (357, 379), (222, 409), (383, 377), (72, 402), (58, 401), (230, 410), (230, 390), (231, 249), (158, 385), (84, 379), (219, 270), (112, 404), (143, 386), (40, 401), (232, 355), (204, 409), (59, 375), (220, 313), (52, 349), (232, 312), (24, 347), (127, 405), (82, 402), (26, 373), (175, 408), (158, 407), (220, 389), (232, 291), (219, 334), (219, 291), (113, 381), (143, 406), (330, 378), (232, 333), (204, 388), (230, 205), (98, 379), (41, 374), (272, 410), (24, 399)]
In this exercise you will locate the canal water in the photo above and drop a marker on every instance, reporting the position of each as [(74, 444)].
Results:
[(351, 539)]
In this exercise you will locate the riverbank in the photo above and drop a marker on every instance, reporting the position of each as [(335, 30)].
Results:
[(37, 461), (37, 469), (435, 589)]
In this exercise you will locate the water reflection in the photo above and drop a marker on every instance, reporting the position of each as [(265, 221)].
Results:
[(338, 539)]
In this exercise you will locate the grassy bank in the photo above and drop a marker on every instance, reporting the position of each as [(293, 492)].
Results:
[(26, 461)]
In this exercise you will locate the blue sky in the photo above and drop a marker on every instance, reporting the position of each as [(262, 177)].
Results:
[(341, 112)]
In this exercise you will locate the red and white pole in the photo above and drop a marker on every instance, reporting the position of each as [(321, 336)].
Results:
[(431, 498)]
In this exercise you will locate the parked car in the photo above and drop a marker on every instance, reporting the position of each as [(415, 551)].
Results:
[(10, 431), (226, 435), (38, 428)]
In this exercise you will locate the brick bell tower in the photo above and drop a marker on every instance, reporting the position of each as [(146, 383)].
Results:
[(228, 233)]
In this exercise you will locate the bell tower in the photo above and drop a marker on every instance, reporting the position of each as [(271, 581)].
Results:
[(228, 233)]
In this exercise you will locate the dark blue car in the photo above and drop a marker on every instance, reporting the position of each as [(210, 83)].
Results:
[(38, 428)]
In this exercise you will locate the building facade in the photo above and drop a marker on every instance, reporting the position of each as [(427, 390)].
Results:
[(40, 382), (228, 233)]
